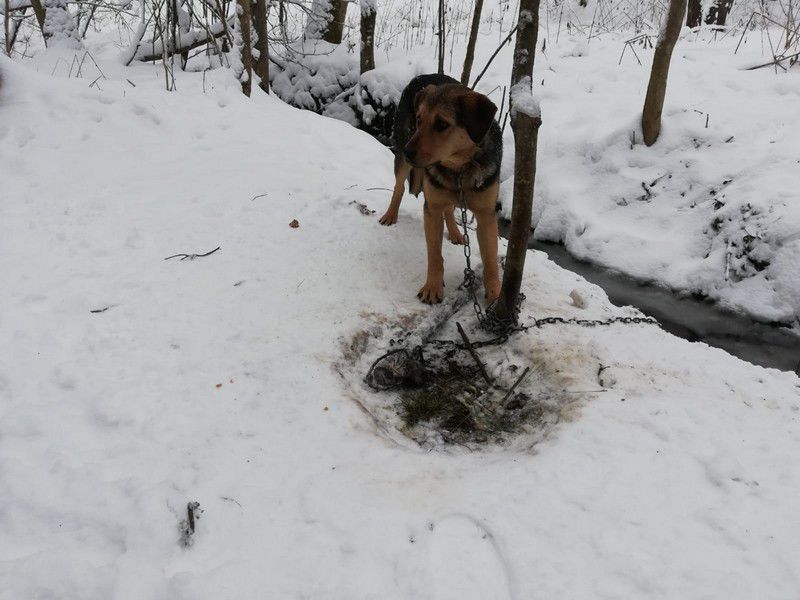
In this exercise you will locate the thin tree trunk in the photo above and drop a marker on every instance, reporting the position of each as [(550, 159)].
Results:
[(441, 47), (261, 65), (525, 122), (7, 27), (335, 29), (88, 22), (473, 36), (243, 43), (368, 16), (718, 12), (694, 15), (57, 24), (657, 88), (326, 20), (38, 10)]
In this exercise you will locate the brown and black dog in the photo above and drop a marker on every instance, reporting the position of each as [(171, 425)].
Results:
[(444, 132)]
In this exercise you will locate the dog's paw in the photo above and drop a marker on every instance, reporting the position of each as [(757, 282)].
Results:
[(432, 292), (457, 238), (492, 287), (389, 218)]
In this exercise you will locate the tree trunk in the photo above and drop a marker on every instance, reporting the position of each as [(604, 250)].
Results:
[(473, 36), (525, 122), (336, 25), (243, 44), (657, 88), (694, 15), (718, 12), (326, 20), (441, 42), (56, 22), (7, 27), (38, 11), (261, 66), (368, 14)]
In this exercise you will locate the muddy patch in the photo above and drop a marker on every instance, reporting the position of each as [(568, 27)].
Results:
[(421, 386)]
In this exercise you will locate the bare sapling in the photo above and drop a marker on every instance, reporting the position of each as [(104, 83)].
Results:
[(368, 16), (525, 123), (473, 37), (657, 88), (243, 45), (261, 62)]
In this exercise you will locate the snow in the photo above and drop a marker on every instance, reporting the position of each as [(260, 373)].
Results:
[(522, 100), (662, 468)]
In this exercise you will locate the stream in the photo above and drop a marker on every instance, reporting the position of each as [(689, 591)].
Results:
[(693, 319)]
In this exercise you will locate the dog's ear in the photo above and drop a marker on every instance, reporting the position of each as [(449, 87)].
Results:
[(420, 97), (475, 113)]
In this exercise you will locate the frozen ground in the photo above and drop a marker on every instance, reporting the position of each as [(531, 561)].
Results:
[(223, 380)]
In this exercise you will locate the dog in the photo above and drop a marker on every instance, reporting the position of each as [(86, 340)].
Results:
[(445, 135)]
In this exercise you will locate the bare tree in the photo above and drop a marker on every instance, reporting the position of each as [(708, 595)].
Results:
[(59, 27), (525, 123), (442, 40), (694, 14), (473, 36), (38, 11), (718, 12), (243, 45), (261, 64), (368, 15), (326, 20), (7, 27), (657, 88)]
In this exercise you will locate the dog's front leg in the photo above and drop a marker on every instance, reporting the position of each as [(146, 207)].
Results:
[(433, 290)]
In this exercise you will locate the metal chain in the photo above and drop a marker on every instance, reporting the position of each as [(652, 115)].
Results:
[(469, 274), (489, 321), (589, 322)]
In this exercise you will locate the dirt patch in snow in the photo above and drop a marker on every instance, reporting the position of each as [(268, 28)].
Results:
[(435, 394)]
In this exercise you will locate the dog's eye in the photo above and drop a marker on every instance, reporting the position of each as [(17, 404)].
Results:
[(440, 125)]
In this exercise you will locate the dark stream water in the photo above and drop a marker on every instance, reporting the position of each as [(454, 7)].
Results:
[(694, 319)]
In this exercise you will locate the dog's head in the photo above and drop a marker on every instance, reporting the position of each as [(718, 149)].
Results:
[(452, 121)]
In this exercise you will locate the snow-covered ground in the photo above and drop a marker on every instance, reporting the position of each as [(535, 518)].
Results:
[(666, 472)]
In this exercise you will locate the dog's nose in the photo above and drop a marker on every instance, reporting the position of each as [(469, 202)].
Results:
[(410, 154)]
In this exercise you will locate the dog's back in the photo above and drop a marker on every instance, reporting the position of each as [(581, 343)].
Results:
[(405, 118)]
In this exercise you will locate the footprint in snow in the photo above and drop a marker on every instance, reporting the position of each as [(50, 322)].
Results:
[(465, 562)]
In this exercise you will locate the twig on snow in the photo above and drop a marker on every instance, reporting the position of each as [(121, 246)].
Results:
[(101, 310), (192, 256)]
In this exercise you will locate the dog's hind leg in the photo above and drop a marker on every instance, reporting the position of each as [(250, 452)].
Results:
[(401, 172)]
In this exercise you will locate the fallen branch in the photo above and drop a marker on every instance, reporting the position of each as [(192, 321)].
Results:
[(475, 357), (505, 399), (149, 51), (192, 256), (778, 60)]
